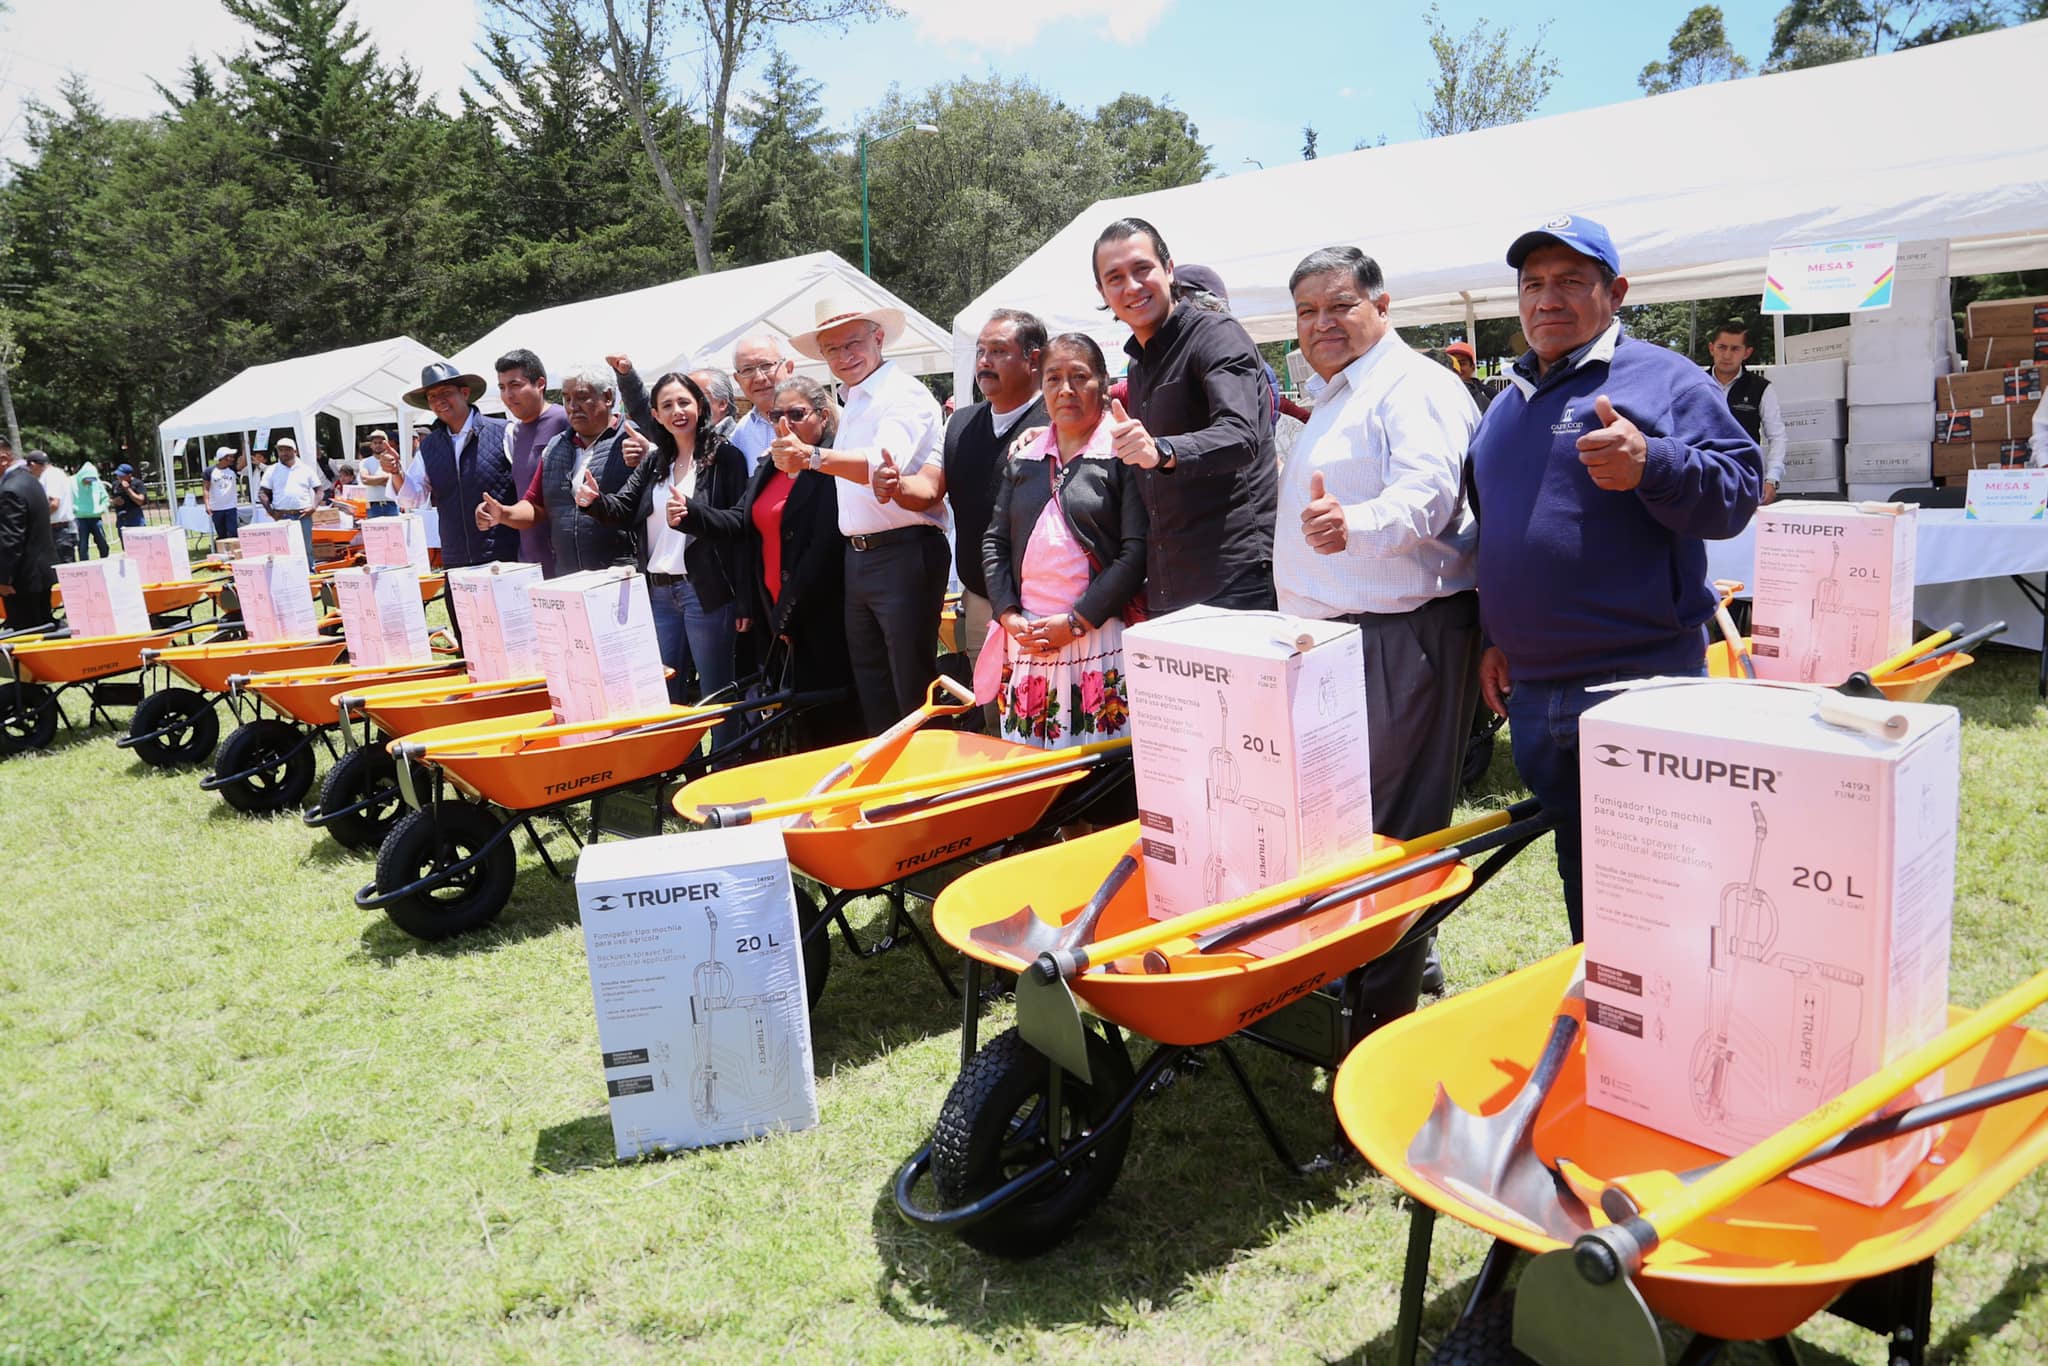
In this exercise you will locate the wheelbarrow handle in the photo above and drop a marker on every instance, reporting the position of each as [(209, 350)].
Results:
[(1961, 643), (1909, 654), (875, 815)]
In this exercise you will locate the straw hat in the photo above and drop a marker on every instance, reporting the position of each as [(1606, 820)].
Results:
[(838, 312)]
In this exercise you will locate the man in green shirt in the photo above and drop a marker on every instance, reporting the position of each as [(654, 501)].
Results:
[(88, 506)]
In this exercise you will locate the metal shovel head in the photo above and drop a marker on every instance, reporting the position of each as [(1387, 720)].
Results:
[(1562, 1319), (1021, 935), (1049, 1019)]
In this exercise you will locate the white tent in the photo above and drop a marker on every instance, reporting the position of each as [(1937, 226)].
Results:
[(1696, 187), (356, 385), (695, 321)]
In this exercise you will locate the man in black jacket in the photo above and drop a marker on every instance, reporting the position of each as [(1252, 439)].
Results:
[(1199, 427), (28, 557)]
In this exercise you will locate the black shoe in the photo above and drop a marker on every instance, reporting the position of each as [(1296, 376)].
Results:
[(1433, 974)]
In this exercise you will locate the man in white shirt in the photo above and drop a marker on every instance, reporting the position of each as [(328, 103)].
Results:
[(63, 525), (223, 495), (292, 489), (1374, 529), (759, 366), (376, 476), (1750, 398), (896, 558)]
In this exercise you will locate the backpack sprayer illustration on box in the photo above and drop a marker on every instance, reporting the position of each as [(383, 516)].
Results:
[(1827, 603), (1227, 874), (1777, 1045), (742, 1055)]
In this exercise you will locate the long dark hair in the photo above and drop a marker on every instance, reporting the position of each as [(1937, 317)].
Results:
[(707, 438)]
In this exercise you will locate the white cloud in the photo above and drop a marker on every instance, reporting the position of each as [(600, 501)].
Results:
[(1006, 24), (1346, 93)]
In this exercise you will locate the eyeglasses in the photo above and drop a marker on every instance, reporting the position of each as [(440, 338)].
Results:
[(766, 367), (793, 414)]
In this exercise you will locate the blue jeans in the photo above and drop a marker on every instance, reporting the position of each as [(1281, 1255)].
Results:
[(386, 508), (90, 532), (692, 637), (1543, 728), (225, 526)]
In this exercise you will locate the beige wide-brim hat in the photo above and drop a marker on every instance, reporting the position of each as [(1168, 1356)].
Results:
[(830, 313)]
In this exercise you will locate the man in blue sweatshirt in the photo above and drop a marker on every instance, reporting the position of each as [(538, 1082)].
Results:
[(1597, 477)]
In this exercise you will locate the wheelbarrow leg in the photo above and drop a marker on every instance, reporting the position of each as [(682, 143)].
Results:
[(1702, 1351), (1265, 1120), (1783, 1353), (904, 919), (1415, 1283), (1492, 1277), (970, 1008)]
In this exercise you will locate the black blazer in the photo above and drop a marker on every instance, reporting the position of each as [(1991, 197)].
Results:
[(715, 520), (28, 557), (813, 552)]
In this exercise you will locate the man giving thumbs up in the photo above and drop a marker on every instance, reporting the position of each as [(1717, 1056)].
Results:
[(1598, 476)]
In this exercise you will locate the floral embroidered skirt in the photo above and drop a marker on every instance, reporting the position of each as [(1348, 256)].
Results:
[(1069, 698)]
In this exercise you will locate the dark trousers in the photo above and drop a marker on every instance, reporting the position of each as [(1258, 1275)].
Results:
[(26, 609), (1250, 591), (225, 525), (1543, 726), (90, 532), (64, 540), (1421, 685), (894, 593)]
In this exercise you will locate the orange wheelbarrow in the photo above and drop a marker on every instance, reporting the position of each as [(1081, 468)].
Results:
[(447, 866), (927, 803), (1755, 1271), (41, 665), (176, 725), (359, 798), (1033, 1133), (266, 764)]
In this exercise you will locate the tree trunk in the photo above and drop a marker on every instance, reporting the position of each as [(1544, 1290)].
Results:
[(7, 409)]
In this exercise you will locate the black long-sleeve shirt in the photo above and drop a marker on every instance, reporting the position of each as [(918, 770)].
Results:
[(1199, 381)]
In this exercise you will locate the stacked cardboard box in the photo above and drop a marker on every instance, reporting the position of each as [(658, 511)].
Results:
[(382, 616), (103, 597), (1896, 356), (160, 551), (496, 617), (594, 632), (1985, 416), (1810, 395)]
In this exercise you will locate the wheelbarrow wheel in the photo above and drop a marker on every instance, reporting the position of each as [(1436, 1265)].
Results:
[(995, 1125), (428, 841), (816, 938), (197, 728), (358, 776), (279, 766), (1486, 1338), (28, 717)]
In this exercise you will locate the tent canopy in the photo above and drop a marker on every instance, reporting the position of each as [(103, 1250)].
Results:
[(695, 321), (1697, 186), (356, 385)]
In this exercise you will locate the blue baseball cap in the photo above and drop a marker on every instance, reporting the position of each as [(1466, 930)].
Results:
[(1582, 235)]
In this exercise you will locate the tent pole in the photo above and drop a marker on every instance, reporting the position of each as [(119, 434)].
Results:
[(1471, 320), (1777, 339)]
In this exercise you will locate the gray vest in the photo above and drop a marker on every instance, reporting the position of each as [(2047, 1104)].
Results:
[(580, 540)]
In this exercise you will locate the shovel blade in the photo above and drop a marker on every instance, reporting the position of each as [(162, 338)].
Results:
[(1049, 1019), (1021, 935), (1562, 1319)]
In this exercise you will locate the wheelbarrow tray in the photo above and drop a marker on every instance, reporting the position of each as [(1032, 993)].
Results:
[(81, 659), (840, 852), (538, 767), (209, 664), (1480, 1045), (1914, 683), (406, 708), (1203, 997), (306, 695)]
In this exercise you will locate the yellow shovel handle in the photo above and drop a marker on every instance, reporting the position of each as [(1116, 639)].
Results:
[(458, 744), (400, 692), (1151, 936), (1911, 653)]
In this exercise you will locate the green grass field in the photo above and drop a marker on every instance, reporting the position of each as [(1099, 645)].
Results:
[(244, 1120)]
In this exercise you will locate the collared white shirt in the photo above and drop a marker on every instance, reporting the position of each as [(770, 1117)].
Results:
[(419, 490), (223, 489), (1388, 435), (1771, 418), (1002, 422), (666, 544), (57, 485), (889, 410), (294, 487), (752, 434), (1601, 348)]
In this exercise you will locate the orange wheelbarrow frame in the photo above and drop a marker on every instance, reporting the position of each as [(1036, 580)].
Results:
[(1757, 1270), (42, 668)]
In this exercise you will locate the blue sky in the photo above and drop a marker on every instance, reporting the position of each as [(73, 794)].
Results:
[(1250, 76)]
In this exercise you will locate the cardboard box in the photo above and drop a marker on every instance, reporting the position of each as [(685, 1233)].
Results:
[(274, 538), (1915, 297), (1980, 388), (103, 597), (397, 540), (1804, 347), (1252, 762), (1833, 588), (1830, 487), (1997, 353), (1891, 385), (1809, 462), (1981, 455), (696, 971), (332, 519), (1992, 422), (2006, 495), (1814, 420), (382, 615), (161, 551), (1906, 341), (1808, 382), (1875, 423), (2007, 317), (1768, 904), (490, 603), (1895, 464), (276, 598), (595, 635), (1926, 259)]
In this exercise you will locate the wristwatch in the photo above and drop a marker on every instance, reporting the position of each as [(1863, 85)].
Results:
[(1164, 445), (817, 461)]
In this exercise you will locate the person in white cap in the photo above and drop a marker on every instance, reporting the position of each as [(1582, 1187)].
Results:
[(896, 558), (223, 494), (292, 488)]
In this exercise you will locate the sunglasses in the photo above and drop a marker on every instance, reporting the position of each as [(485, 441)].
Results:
[(793, 414)]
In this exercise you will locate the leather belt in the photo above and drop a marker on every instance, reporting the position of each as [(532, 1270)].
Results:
[(875, 540), (656, 579)]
